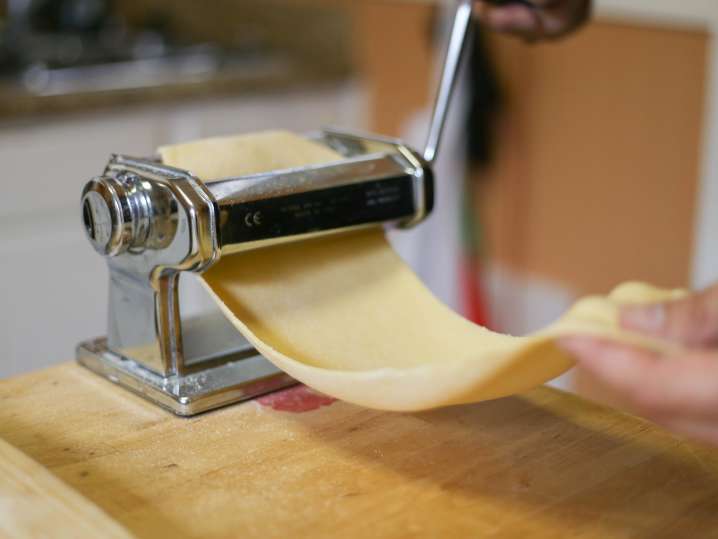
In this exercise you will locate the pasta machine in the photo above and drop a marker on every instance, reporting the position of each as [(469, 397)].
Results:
[(154, 222)]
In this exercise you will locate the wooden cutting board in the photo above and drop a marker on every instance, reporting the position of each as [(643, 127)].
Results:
[(35, 503), (543, 465)]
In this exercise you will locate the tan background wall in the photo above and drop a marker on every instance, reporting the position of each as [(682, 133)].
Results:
[(598, 176), (597, 173), (393, 51)]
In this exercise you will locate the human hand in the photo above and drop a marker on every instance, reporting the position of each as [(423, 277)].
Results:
[(534, 20), (678, 391)]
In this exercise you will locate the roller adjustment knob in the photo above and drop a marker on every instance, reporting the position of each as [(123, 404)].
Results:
[(115, 214)]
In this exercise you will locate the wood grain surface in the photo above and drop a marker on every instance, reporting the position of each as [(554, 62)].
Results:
[(543, 465), (34, 504)]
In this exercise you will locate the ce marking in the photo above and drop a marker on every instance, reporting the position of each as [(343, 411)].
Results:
[(253, 219)]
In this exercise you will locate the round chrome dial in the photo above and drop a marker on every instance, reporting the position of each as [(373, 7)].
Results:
[(115, 214)]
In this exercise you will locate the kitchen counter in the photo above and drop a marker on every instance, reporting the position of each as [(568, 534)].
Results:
[(234, 48), (18, 103), (545, 464)]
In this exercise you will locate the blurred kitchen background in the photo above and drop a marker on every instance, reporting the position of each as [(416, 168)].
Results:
[(570, 167)]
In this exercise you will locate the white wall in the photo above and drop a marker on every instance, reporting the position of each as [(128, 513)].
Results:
[(53, 287), (670, 11)]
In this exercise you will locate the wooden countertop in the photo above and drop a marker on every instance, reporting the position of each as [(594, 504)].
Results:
[(545, 464)]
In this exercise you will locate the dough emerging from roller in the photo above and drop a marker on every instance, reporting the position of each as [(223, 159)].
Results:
[(346, 316)]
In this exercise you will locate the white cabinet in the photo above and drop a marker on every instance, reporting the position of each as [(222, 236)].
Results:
[(52, 285)]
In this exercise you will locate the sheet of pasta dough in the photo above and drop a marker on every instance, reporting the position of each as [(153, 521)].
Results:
[(345, 315)]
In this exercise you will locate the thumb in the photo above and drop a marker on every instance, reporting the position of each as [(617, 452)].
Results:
[(692, 321)]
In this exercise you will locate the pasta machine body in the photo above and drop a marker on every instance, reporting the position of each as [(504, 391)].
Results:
[(153, 223)]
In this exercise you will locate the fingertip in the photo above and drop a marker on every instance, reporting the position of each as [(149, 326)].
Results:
[(582, 346), (610, 361), (692, 320), (588, 352), (644, 318), (575, 345)]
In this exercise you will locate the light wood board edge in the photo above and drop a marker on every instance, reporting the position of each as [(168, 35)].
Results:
[(34, 504)]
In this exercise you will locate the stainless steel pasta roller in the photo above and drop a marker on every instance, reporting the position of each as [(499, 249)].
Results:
[(154, 222)]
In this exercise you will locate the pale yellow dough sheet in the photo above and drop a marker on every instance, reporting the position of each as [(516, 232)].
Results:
[(226, 157), (346, 316)]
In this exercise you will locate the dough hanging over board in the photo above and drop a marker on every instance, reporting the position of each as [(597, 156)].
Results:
[(346, 316)]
